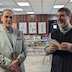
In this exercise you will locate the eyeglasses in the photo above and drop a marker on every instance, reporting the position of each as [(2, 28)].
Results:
[(9, 17)]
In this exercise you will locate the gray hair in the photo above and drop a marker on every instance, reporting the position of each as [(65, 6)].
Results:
[(7, 10)]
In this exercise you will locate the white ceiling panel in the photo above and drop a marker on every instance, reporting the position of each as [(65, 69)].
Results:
[(53, 11), (20, 0), (69, 5), (61, 2), (7, 4), (38, 6), (48, 5)]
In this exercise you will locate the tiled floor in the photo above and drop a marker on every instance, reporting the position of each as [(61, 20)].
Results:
[(38, 63)]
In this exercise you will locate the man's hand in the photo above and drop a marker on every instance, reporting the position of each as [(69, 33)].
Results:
[(14, 67), (66, 46), (14, 62), (53, 46)]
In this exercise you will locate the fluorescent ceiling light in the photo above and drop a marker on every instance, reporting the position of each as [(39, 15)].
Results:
[(23, 3), (17, 9), (30, 12), (70, 0), (1, 9), (58, 6)]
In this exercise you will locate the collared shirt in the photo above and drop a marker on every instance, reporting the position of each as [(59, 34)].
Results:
[(5, 45), (65, 29)]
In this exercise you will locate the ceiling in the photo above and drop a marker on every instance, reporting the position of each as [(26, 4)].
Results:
[(36, 6)]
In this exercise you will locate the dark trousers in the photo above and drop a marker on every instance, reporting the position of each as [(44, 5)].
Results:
[(62, 63)]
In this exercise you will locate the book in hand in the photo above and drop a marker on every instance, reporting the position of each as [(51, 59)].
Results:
[(55, 43), (52, 46), (4, 61)]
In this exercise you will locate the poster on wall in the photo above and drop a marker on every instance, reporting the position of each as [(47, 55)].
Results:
[(23, 27), (41, 27), (32, 28)]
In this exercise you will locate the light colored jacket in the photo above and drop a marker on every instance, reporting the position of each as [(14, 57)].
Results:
[(18, 45)]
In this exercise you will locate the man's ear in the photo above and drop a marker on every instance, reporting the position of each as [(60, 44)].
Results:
[(71, 20)]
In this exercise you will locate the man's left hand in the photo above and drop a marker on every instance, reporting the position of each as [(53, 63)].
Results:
[(66, 46)]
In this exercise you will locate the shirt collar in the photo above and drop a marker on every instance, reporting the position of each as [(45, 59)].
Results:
[(66, 29)]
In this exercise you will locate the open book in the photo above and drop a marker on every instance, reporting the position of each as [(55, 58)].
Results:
[(4, 61), (52, 44)]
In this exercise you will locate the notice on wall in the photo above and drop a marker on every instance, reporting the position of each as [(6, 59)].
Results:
[(23, 27), (32, 28), (41, 27)]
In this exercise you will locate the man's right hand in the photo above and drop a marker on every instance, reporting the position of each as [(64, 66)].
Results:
[(53, 46)]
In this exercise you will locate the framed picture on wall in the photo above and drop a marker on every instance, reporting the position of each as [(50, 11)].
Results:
[(23, 27), (42, 27), (32, 28)]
